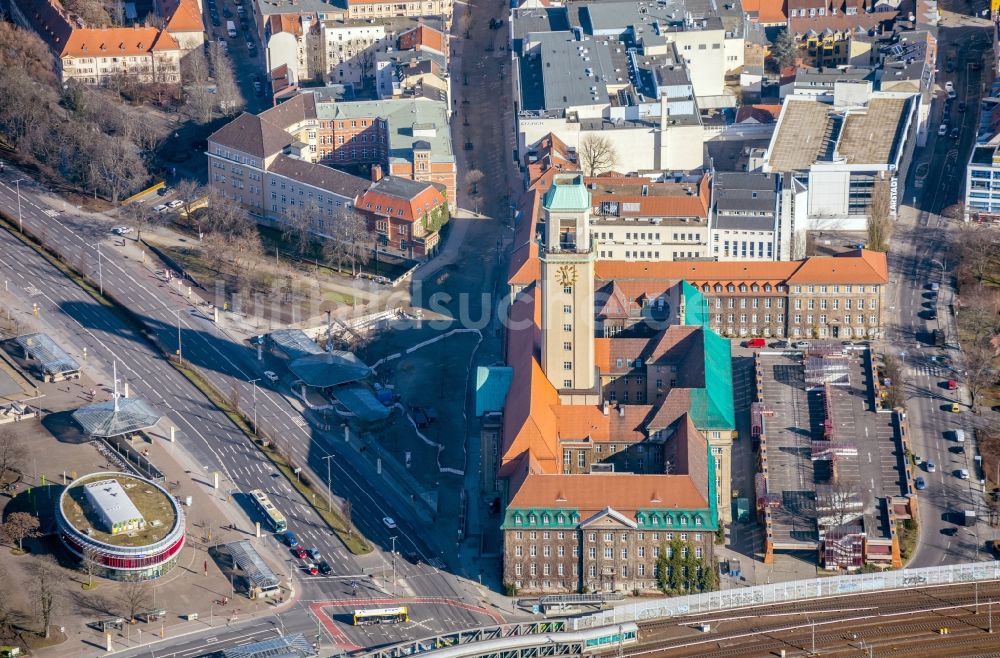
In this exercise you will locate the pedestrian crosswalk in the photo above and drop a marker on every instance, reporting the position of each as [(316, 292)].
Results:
[(925, 371)]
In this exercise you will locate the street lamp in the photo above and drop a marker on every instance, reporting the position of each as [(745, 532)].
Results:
[(393, 538), (180, 355), (329, 495), (254, 382), (96, 245), (20, 223)]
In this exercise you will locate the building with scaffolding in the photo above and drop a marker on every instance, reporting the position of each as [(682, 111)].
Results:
[(831, 467), (130, 528)]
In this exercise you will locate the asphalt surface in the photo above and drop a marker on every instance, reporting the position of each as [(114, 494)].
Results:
[(207, 435), (919, 257)]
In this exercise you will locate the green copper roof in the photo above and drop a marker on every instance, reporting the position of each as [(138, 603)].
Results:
[(712, 407), (567, 193), (492, 384), (695, 305)]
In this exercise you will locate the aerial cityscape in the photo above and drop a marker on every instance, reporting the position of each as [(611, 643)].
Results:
[(499, 328)]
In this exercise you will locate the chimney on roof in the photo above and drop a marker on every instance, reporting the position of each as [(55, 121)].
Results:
[(376, 173), (621, 411), (605, 408)]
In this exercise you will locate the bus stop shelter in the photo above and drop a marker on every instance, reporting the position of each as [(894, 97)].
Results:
[(116, 417), (262, 581), (55, 364)]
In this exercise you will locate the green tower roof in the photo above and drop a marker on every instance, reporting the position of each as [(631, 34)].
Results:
[(568, 192)]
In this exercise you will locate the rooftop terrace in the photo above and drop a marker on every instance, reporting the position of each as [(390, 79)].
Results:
[(153, 503)]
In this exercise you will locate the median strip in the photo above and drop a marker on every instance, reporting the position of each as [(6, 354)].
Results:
[(352, 540)]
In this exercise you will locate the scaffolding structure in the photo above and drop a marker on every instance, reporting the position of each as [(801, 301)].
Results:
[(827, 367)]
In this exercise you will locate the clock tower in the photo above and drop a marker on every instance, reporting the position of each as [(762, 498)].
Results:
[(567, 258)]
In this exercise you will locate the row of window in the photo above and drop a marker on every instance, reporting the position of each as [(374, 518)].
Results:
[(592, 536), (623, 570), (755, 302), (609, 552)]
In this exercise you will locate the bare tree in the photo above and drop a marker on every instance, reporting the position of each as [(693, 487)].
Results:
[(134, 597), (366, 61), (980, 373), (195, 76), (979, 313), (226, 89), (896, 391), (597, 154), (90, 562), (20, 526), (93, 12), (12, 452), (298, 226), (226, 216), (978, 247), (879, 220), (119, 169), (472, 178), (44, 595), (139, 216), (349, 240), (188, 191)]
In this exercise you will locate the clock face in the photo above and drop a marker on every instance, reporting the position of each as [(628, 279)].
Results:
[(567, 275)]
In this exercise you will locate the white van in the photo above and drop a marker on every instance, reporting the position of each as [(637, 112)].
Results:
[(231, 29), (959, 435)]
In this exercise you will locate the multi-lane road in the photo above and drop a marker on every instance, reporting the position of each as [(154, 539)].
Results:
[(205, 433), (920, 257)]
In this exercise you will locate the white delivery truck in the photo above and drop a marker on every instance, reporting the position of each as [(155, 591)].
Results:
[(231, 29)]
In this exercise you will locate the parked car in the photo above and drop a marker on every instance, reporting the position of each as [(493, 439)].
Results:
[(931, 467), (176, 203), (802, 344), (271, 376), (121, 230), (919, 483), (952, 385), (962, 474), (312, 569), (942, 130), (160, 207), (780, 344), (755, 343), (956, 133), (956, 408), (324, 567)]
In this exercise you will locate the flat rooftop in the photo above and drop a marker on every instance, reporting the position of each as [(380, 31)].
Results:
[(154, 505), (863, 444), (811, 131)]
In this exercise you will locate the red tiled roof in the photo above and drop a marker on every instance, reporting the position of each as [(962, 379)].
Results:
[(620, 424), (117, 42), (185, 16), (625, 493), (423, 37), (857, 267), (769, 12), (524, 267), (529, 424), (410, 209), (652, 199), (758, 113)]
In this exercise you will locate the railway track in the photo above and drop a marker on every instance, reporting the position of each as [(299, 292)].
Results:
[(896, 624)]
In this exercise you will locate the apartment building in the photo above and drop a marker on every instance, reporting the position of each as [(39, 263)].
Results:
[(982, 182), (819, 297), (270, 164), (746, 217), (96, 55), (406, 216), (375, 9), (634, 218), (578, 87)]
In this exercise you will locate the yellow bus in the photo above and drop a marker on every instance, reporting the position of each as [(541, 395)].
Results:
[(381, 616)]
